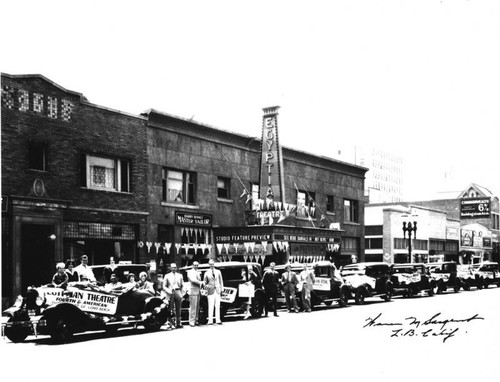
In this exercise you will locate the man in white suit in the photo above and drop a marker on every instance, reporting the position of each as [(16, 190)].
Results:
[(194, 277), (214, 284), (173, 286)]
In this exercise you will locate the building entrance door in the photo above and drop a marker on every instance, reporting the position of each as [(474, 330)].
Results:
[(37, 254)]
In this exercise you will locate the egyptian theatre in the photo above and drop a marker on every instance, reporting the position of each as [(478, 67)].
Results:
[(217, 194)]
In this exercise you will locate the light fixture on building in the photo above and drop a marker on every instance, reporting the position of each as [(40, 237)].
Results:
[(52, 237)]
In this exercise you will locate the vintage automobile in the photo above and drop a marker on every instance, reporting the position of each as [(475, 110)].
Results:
[(411, 279), (445, 275), (370, 279), (80, 307), (231, 300), (470, 277), (328, 287), (489, 271)]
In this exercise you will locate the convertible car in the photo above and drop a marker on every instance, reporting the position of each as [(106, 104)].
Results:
[(81, 307)]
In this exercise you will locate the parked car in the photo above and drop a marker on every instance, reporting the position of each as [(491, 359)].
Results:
[(329, 285), (81, 307), (490, 273), (411, 279), (445, 275), (231, 301), (470, 277), (370, 279)]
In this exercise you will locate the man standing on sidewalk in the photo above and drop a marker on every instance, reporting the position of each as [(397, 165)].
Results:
[(289, 282), (307, 279), (173, 283), (194, 277), (271, 284), (214, 284)]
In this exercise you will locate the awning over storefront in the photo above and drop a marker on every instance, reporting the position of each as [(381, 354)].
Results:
[(278, 243)]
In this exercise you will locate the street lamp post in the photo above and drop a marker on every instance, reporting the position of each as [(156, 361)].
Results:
[(411, 229)]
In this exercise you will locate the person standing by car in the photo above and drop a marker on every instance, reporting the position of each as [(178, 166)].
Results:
[(194, 277), (250, 279), (172, 284), (60, 279), (289, 282), (271, 284), (214, 284), (70, 270), (84, 269), (307, 279)]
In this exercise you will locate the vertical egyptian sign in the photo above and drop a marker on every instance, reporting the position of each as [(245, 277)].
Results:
[(271, 167)]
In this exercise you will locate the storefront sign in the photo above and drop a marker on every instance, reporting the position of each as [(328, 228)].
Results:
[(307, 239), (475, 235), (182, 218), (241, 238), (271, 167), (475, 208), (452, 233)]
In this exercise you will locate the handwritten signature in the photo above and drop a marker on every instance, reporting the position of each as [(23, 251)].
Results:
[(435, 326)]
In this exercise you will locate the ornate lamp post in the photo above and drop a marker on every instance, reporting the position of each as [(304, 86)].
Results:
[(410, 228)]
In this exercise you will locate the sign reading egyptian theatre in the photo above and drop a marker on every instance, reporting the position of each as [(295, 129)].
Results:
[(271, 167)]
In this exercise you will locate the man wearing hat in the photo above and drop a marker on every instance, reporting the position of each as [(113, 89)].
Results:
[(289, 282), (173, 284), (84, 270)]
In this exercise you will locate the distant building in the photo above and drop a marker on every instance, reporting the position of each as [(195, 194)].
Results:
[(384, 180), (464, 229)]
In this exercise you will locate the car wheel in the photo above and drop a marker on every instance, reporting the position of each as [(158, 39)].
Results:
[(16, 334), (359, 298), (344, 298), (63, 330)]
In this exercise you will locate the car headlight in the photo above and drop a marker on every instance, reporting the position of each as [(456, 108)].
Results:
[(19, 302)]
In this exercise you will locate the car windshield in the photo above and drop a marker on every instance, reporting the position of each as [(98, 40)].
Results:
[(352, 270), (489, 267), (323, 271), (404, 270)]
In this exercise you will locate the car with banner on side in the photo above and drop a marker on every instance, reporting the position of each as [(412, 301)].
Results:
[(411, 279), (489, 271), (371, 279), (445, 275), (329, 286), (469, 277), (80, 307), (232, 299)]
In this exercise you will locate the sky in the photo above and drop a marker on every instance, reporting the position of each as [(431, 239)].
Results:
[(420, 78)]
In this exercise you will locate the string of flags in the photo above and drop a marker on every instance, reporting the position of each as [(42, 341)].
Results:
[(167, 247)]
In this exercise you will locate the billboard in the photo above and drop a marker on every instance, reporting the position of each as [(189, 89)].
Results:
[(474, 208)]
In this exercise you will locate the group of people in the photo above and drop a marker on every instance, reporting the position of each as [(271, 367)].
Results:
[(211, 283)]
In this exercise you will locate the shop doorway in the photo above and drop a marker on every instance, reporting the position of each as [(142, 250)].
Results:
[(37, 254)]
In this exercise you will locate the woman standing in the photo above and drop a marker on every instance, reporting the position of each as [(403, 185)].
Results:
[(250, 279)]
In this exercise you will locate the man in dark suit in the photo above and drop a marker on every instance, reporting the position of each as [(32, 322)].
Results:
[(271, 284), (289, 281)]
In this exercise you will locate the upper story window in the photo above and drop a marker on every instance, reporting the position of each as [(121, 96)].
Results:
[(351, 211), (223, 188), (106, 174), (329, 203), (178, 186), (37, 156), (305, 203)]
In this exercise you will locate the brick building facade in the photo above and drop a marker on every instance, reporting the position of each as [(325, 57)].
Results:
[(73, 181)]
